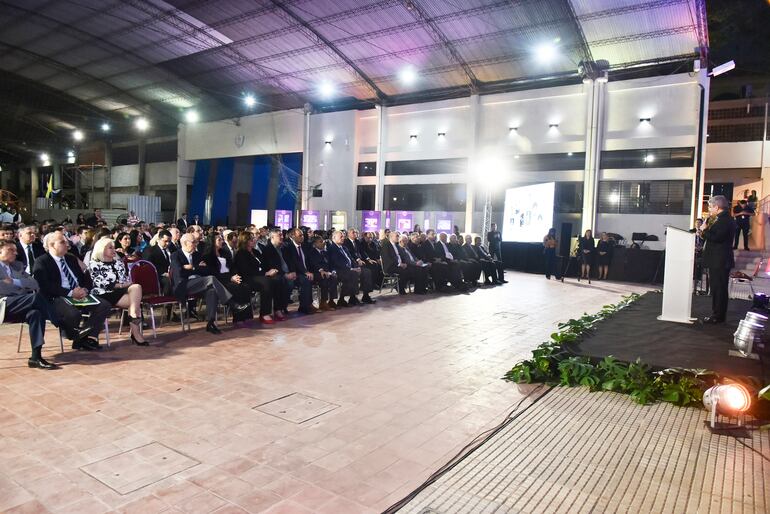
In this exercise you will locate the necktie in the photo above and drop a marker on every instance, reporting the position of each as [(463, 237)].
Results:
[(30, 257), (301, 256), (165, 254), (67, 273), (342, 249)]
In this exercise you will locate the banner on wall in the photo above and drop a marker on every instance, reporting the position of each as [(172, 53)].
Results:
[(404, 221), (444, 222), (339, 219), (259, 217), (370, 221), (310, 219), (284, 219)]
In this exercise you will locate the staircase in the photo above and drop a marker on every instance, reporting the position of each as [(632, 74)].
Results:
[(746, 261)]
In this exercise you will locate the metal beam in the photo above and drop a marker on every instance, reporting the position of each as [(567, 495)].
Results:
[(628, 9), (437, 34), (585, 50), (329, 47)]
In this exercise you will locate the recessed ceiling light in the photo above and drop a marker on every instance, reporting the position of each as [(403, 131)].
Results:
[(142, 124), (408, 76), (77, 135), (105, 127), (249, 100), (191, 117)]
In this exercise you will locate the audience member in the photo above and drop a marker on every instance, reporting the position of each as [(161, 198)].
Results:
[(483, 252), (259, 278), (220, 265), (349, 272), (28, 248), (323, 276), (299, 274)]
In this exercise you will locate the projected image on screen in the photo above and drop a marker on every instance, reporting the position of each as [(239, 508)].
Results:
[(528, 212)]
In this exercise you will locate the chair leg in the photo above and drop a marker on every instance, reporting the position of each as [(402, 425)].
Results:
[(21, 332), (107, 332), (61, 341), (120, 326), (152, 321)]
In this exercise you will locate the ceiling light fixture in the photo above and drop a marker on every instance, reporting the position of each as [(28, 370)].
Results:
[(545, 52), (77, 135), (412, 137), (442, 134), (249, 100), (191, 117), (553, 125), (649, 158), (326, 89), (408, 76), (44, 157), (328, 142), (142, 124), (105, 127), (645, 120)]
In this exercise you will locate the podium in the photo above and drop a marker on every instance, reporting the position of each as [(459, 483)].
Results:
[(678, 278)]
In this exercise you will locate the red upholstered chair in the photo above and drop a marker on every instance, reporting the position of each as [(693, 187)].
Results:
[(144, 273)]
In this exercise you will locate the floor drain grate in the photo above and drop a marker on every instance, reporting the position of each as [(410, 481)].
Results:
[(296, 407)]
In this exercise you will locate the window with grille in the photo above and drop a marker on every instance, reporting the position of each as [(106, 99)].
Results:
[(645, 197)]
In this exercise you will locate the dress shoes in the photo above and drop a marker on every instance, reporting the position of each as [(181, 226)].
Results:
[(354, 301), (712, 320), (342, 303), (212, 328), (41, 363), (240, 307), (402, 291), (368, 300), (309, 310)]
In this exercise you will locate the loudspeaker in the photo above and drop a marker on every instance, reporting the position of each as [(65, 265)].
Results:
[(564, 239), (318, 193)]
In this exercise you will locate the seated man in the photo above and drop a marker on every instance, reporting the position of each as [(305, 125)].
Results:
[(442, 253), (483, 253), (487, 265), (470, 266), (160, 256), (28, 248), (394, 264), (295, 258), (24, 302), (353, 245), (420, 268), (191, 276), (318, 264), (271, 256), (60, 277), (348, 272)]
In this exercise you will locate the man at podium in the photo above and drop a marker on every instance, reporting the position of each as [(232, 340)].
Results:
[(718, 232)]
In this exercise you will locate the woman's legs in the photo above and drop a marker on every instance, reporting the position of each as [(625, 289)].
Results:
[(132, 301)]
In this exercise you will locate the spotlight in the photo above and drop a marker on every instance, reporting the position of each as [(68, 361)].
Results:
[(408, 76), (142, 124), (249, 100), (77, 135), (569, 154), (645, 120), (722, 68), (751, 331), (545, 52), (44, 157), (728, 399), (105, 127), (191, 117), (649, 158), (326, 89)]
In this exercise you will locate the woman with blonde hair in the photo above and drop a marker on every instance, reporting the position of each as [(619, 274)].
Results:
[(112, 284)]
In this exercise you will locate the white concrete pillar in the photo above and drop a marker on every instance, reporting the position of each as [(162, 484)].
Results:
[(185, 173), (589, 202), (305, 192), (382, 127), (699, 172), (473, 157)]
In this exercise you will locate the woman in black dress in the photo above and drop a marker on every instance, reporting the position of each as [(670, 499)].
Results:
[(586, 252), (113, 285), (604, 253), (266, 282), (221, 266)]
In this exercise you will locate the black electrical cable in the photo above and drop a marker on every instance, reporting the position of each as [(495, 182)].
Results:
[(468, 449)]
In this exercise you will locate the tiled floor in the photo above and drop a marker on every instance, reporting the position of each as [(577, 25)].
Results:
[(409, 382)]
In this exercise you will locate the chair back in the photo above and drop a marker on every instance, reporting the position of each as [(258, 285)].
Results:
[(145, 274)]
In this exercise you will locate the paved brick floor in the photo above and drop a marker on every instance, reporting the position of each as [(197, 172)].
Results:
[(188, 425)]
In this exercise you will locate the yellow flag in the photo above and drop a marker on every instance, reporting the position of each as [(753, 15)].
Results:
[(49, 189)]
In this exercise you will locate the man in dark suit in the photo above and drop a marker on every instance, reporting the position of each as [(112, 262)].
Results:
[(28, 248), (718, 232), (442, 254), (294, 255), (95, 218), (495, 242), (471, 268), (23, 301), (231, 243), (487, 265), (349, 272), (394, 264), (484, 254), (419, 268), (323, 275), (191, 276), (181, 223), (60, 277), (352, 245), (160, 257), (272, 258)]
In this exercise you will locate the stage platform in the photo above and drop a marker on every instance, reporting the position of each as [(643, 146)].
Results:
[(635, 332)]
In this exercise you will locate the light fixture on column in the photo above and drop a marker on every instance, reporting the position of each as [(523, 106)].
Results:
[(645, 120), (553, 125), (70, 157), (442, 134), (412, 137)]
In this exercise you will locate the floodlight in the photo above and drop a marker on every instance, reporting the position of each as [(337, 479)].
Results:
[(326, 89), (545, 52), (142, 124), (191, 117), (249, 100), (728, 399), (105, 127), (722, 68), (408, 76), (77, 135)]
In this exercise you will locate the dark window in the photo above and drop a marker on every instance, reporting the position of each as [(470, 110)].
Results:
[(569, 197), (648, 158), (425, 197), (367, 169), (426, 167), (735, 133), (550, 161), (645, 197), (161, 152), (125, 155), (365, 198)]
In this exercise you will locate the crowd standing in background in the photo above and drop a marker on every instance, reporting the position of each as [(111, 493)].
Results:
[(75, 274)]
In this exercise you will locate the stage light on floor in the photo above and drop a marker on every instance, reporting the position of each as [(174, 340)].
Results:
[(191, 117), (750, 332), (249, 101), (77, 135), (730, 400)]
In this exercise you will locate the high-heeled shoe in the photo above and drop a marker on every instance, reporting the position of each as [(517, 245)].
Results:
[(136, 324), (266, 321)]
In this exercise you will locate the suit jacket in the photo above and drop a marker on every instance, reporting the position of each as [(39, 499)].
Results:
[(17, 272), (181, 225), (352, 248), (215, 266), (21, 256), (718, 249), (248, 264), (317, 260), (457, 251), (226, 252), (432, 250), (179, 275), (155, 255), (482, 252), (470, 252), (339, 258), (389, 258), (272, 259), (293, 260), (48, 276)]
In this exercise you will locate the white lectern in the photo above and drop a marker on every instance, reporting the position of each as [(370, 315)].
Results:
[(678, 276)]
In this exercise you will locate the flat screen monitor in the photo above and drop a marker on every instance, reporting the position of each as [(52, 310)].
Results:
[(528, 212)]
